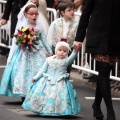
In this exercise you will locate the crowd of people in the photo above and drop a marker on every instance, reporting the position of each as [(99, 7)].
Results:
[(40, 49), (32, 51)]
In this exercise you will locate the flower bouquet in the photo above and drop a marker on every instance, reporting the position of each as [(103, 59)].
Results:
[(27, 38)]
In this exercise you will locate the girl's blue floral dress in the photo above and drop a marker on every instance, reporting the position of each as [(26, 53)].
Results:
[(53, 94), (16, 80)]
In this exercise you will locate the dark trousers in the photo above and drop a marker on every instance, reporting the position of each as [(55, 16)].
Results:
[(103, 89)]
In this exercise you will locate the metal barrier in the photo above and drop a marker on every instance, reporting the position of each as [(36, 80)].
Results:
[(5, 39), (82, 58), (51, 14)]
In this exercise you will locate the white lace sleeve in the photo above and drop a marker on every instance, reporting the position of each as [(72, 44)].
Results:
[(44, 23), (51, 33), (12, 49)]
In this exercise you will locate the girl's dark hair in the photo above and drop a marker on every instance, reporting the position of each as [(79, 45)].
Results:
[(63, 4), (28, 7)]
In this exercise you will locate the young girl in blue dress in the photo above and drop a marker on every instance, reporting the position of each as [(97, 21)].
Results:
[(52, 94), (22, 65)]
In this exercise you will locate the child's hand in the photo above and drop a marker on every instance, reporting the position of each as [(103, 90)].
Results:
[(33, 80), (48, 55)]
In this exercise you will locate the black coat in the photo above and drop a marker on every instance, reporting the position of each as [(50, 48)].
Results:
[(50, 3), (13, 7), (100, 22)]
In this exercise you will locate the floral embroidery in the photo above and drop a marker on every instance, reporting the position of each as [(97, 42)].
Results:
[(58, 32)]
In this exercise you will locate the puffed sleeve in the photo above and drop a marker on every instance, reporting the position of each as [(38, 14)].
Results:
[(45, 43), (12, 49), (51, 33), (71, 58), (41, 71)]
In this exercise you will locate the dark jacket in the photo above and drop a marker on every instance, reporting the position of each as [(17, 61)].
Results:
[(50, 3), (100, 23), (13, 7)]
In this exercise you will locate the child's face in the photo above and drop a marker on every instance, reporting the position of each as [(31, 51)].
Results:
[(68, 13), (32, 15), (62, 52)]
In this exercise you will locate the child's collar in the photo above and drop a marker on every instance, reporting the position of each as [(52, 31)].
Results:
[(69, 20)]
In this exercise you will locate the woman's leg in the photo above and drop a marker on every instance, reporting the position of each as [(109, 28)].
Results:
[(103, 84), (97, 102)]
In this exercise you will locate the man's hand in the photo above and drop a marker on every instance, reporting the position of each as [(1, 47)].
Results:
[(3, 21)]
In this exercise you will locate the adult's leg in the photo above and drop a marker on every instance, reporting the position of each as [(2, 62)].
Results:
[(97, 102), (103, 84)]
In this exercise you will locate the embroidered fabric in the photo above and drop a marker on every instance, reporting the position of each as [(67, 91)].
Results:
[(53, 100), (58, 31), (54, 61)]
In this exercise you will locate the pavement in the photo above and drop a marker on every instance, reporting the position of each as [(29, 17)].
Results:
[(75, 76)]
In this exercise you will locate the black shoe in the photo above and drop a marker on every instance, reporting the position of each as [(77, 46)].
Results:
[(23, 98), (111, 115), (97, 113)]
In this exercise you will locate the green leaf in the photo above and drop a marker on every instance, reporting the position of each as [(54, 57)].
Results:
[(29, 48), (34, 47), (35, 43)]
